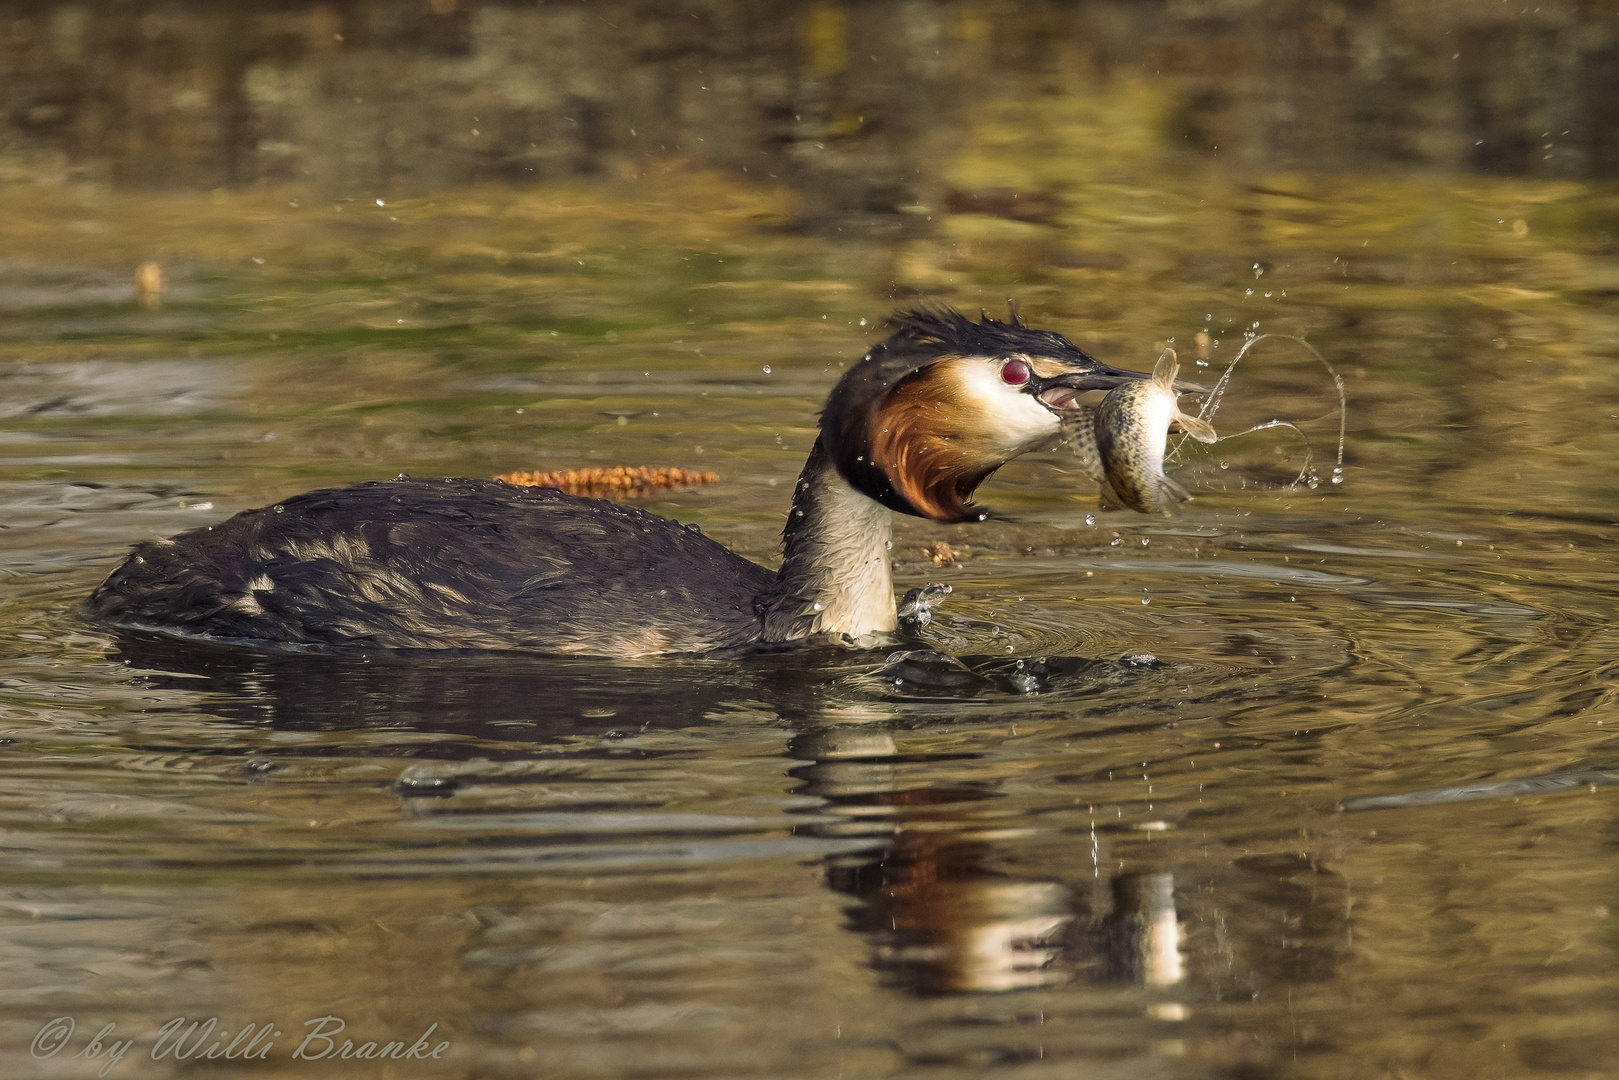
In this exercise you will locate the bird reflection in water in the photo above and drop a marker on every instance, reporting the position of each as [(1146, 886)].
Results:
[(1143, 931), (945, 915), (944, 896)]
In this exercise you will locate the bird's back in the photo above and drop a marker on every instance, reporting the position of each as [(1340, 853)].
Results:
[(443, 564)]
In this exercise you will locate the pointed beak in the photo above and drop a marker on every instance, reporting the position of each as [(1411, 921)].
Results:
[(1059, 392)]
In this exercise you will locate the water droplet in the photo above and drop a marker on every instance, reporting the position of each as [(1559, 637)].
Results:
[(693, 527), (1145, 541), (280, 509), (381, 203), (1090, 519), (862, 322), (1247, 292), (1225, 464), (1116, 542), (766, 369), (1146, 599)]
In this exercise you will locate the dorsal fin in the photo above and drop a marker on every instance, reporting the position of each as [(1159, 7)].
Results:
[(1165, 370)]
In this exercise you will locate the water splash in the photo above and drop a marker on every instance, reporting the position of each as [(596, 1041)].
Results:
[(1023, 680), (916, 606), (1307, 476)]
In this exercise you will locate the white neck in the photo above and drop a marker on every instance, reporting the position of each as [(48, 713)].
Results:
[(834, 576)]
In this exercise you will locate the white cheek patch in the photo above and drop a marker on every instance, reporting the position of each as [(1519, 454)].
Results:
[(1009, 420)]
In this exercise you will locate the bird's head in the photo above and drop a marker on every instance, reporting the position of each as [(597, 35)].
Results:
[(930, 412)]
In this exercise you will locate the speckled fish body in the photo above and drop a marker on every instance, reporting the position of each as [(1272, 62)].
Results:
[(1131, 426), (1079, 435)]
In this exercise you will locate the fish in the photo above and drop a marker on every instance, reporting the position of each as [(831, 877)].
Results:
[(1120, 444), (1079, 435)]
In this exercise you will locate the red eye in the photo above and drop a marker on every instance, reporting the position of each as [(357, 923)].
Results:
[(1015, 372)]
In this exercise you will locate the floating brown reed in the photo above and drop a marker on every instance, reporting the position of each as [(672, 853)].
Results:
[(617, 482)]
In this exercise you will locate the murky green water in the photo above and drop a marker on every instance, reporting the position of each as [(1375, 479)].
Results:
[(1357, 821)]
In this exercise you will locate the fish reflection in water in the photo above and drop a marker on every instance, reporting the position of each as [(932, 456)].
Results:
[(1120, 443)]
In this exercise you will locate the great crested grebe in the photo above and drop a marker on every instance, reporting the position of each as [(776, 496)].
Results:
[(915, 426)]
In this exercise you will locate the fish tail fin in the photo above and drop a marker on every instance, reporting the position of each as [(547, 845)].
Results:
[(1201, 430)]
